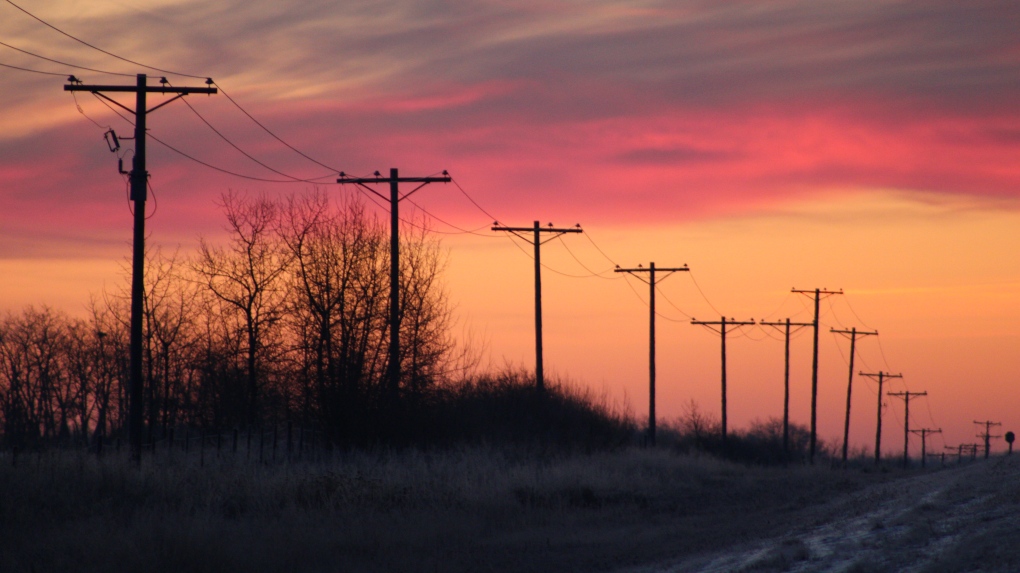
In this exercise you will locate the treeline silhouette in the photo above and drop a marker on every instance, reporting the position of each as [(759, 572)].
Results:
[(282, 321)]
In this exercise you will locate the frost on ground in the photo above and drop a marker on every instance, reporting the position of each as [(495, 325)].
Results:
[(962, 518)]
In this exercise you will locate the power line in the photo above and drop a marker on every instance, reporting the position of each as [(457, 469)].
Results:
[(19, 68), (98, 49), (584, 266), (248, 155), (70, 65), (473, 202), (270, 132), (710, 305)]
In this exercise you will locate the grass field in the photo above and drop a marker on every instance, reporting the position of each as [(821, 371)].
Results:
[(462, 509)]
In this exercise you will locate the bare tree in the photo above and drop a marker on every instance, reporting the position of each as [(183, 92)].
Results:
[(336, 311), (246, 277)]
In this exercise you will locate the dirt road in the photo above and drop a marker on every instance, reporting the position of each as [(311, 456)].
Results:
[(961, 518)]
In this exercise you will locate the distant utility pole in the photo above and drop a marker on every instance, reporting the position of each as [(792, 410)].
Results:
[(786, 376), (881, 376), (819, 293), (394, 180), (923, 432), (139, 178), (987, 434), (537, 242), (853, 333), (651, 333), (906, 396), (958, 453), (720, 326)]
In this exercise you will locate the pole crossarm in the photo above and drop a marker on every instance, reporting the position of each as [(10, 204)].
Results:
[(394, 181), (537, 229), (651, 270), (818, 293), (722, 324), (853, 332), (778, 323), (640, 269)]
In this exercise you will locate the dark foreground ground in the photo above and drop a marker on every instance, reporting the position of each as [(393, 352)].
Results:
[(480, 509)]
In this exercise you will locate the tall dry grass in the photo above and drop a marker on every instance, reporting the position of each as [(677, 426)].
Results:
[(472, 508)]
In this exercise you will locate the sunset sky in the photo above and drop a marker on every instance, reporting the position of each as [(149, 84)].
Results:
[(871, 147)]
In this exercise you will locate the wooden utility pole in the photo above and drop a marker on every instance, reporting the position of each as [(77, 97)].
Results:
[(958, 453), (651, 333), (537, 242), (986, 435), (139, 178), (394, 180), (720, 326), (906, 396), (923, 432), (818, 294), (881, 377), (853, 333), (786, 375)]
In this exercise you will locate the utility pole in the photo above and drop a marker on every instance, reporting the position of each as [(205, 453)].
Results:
[(818, 294), (537, 243), (906, 396), (881, 376), (651, 333), (139, 178), (958, 453), (786, 376), (987, 434), (722, 330), (923, 432), (853, 333), (394, 180)]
